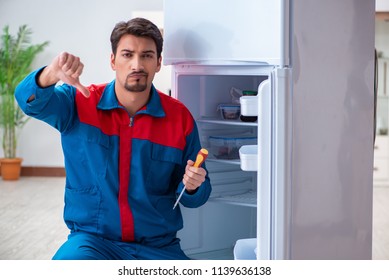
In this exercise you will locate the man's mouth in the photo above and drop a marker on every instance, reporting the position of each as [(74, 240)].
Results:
[(137, 75)]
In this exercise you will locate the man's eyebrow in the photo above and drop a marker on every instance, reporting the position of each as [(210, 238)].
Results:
[(145, 51)]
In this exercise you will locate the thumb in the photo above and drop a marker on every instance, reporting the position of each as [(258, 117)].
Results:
[(82, 88), (189, 163)]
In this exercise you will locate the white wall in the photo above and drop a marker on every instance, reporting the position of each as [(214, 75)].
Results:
[(82, 27), (382, 5)]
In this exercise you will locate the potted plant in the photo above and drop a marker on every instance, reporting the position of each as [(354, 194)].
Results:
[(16, 56)]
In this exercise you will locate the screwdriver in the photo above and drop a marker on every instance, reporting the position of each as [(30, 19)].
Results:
[(201, 156)]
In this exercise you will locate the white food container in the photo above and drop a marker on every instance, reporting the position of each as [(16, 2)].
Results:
[(249, 105), (248, 155), (245, 249)]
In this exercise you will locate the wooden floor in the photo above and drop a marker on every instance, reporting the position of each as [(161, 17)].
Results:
[(32, 228), (31, 221)]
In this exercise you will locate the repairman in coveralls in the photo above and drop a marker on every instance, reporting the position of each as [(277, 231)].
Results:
[(128, 149)]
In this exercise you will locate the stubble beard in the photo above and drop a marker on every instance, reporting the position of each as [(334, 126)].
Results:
[(137, 86)]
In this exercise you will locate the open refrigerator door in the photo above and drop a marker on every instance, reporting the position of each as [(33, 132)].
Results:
[(236, 173)]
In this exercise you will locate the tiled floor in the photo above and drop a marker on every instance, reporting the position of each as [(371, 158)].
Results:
[(31, 225)]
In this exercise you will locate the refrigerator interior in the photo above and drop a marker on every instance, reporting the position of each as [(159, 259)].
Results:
[(210, 232)]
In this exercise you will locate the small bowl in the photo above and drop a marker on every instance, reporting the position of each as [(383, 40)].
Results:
[(229, 111)]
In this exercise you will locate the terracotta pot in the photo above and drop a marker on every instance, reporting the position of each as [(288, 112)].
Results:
[(10, 168)]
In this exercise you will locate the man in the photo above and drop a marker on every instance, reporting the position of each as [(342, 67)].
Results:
[(128, 148)]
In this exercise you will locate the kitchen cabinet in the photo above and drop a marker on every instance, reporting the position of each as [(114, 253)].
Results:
[(381, 160), (382, 16), (381, 147), (383, 78)]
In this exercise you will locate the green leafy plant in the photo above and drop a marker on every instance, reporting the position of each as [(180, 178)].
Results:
[(16, 56)]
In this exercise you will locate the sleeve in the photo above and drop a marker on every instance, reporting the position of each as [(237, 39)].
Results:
[(203, 192), (54, 105)]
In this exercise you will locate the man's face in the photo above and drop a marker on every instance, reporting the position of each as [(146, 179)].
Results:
[(135, 63)]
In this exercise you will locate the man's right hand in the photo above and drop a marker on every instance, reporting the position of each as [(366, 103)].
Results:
[(67, 68)]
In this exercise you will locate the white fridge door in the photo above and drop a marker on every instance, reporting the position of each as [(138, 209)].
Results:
[(274, 154), (220, 32)]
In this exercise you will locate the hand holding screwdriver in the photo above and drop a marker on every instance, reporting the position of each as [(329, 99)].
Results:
[(201, 156)]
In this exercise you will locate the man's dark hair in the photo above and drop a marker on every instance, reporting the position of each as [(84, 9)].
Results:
[(139, 27)]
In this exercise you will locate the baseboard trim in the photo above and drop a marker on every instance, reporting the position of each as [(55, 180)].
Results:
[(41, 171)]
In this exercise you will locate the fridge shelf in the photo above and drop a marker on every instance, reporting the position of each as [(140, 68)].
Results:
[(227, 161), (248, 199), (226, 122)]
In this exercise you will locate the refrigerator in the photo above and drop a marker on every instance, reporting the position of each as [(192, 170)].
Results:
[(297, 182)]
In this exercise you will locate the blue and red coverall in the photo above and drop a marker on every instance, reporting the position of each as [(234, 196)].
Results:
[(123, 173)]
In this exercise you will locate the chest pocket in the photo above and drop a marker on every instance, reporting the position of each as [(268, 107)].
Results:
[(164, 168), (94, 150)]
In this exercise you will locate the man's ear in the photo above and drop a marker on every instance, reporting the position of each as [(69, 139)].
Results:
[(159, 64), (113, 61)]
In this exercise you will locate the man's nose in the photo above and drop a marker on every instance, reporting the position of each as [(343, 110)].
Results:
[(137, 63)]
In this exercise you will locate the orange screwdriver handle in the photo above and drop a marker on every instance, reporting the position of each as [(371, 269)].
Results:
[(201, 157)]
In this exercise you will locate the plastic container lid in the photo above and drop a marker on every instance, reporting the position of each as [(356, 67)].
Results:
[(228, 106), (249, 92)]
